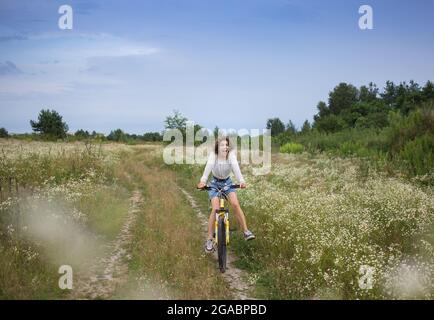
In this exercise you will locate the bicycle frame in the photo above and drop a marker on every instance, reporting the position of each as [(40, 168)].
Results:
[(221, 215), (222, 211)]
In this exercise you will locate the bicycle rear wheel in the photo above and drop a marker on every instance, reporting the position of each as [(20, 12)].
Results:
[(221, 234)]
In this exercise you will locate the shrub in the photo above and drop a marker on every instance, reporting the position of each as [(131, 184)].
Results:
[(349, 148), (292, 147), (331, 123), (406, 128), (418, 155)]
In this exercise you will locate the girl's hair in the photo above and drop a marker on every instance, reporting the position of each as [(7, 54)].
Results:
[(217, 143)]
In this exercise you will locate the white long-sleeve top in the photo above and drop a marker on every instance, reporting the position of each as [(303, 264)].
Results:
[(222, 168)]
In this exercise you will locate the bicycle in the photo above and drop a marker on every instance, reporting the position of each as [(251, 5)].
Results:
[(221, 233)]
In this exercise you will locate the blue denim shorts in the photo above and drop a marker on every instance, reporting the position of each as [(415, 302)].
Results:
[(220, 183)]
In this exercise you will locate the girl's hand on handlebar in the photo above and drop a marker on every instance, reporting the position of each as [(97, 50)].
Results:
[(243, 185), (201, 185)]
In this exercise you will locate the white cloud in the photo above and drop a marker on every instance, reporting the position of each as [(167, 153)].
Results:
[(88, 45)]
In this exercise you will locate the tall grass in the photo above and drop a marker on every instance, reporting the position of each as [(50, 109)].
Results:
[(318, 223), (65, 198), (319, 219), (167, 246)]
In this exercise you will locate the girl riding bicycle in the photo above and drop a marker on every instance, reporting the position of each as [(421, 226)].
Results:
[(221, 163)]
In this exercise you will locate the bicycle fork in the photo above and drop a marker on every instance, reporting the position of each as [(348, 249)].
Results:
[(219, 213)]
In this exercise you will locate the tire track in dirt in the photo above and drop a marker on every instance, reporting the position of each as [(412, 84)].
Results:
[(236, 278), (111, 270)]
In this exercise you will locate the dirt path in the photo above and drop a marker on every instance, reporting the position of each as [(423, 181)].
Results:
[(110, 270), (236, 278)]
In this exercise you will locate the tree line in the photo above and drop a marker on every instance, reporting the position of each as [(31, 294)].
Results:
[(364, 107), (50, 126), (394, 126)]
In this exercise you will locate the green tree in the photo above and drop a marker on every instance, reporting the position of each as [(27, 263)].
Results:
[(428, 91), (342, 98), (368, 94), (276, 126), (331, 123), (323, 110), (152, 136), (177, 121), (117, 135), (389, 94), (406, 96), (50, 124), (4, 133), (290, 128), (306, 127), (81, 134)]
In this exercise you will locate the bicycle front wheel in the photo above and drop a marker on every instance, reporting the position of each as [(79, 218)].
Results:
[(221, 244)]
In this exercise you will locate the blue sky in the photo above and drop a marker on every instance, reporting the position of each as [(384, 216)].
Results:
[(128, 64)]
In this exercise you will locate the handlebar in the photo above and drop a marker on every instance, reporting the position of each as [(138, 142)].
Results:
[(234, 186)]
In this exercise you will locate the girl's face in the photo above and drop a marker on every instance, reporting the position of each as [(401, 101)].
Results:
[(223, 147)]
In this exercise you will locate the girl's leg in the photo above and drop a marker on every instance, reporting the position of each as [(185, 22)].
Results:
[(211, 220), (239, 214)]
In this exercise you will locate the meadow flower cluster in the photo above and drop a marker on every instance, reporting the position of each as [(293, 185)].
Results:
[(318, 223), (49, 194), (36, 163)]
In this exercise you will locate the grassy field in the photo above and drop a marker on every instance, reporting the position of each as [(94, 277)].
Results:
[(54, 213), (168, 257), (321, 219), (65, 201), (321, 222)]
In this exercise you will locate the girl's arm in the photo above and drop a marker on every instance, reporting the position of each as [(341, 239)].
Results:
[(208, 167), (235, 167)]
